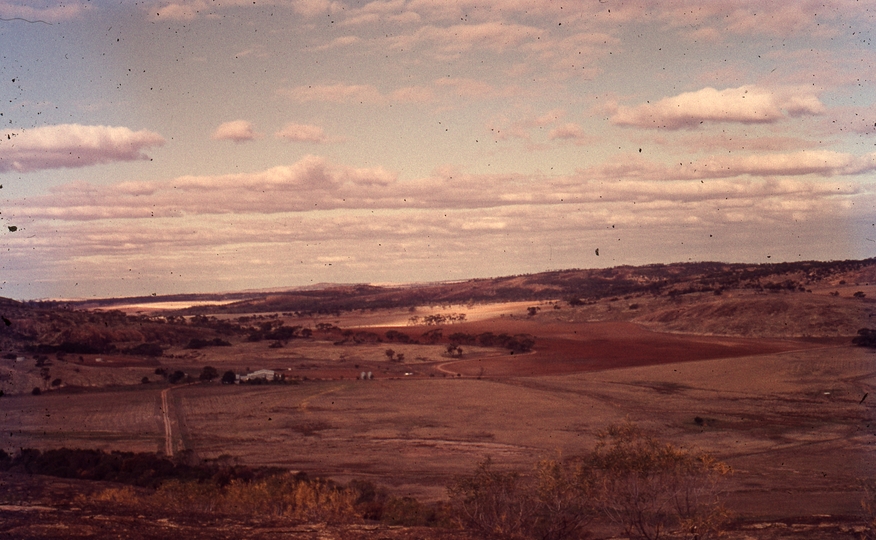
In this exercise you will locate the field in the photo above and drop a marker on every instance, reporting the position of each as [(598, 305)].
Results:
[(791, 412), (786, 414)]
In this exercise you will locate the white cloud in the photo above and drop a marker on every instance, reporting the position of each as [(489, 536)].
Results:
[(236, 130), (32, 12), (746, 104), (569, 131), (335, 93), (302, 133), (72, 145)]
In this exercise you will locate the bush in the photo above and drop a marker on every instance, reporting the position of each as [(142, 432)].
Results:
[(552, 504), (650, 488), (146, 349), (865, 338), (490, 502), (647, 487), (281, 495), (197, 343)]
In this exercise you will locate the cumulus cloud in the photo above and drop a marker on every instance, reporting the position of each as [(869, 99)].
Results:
[(72, 145), (746, 104), (312, 183), (302, 133), (798, 182), (236, 130)]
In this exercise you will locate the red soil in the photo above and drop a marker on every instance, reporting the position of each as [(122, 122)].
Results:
[(562, 348)]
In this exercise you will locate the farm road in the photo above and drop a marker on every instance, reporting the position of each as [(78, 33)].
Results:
[(168, 429), (306, 402), (168, 425)]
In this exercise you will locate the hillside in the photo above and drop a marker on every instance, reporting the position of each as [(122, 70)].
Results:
[(804, 299)]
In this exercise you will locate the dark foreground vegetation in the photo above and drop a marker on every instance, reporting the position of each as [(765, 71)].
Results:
[(638, 484)]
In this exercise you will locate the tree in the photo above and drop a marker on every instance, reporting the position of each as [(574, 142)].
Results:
[(866, 338), (208, 373), (176, 377), (389, 353), (229, 377)]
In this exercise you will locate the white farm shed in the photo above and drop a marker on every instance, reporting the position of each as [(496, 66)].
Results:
[(267, 374)]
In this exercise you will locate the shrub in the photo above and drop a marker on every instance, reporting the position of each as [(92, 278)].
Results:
[(551, 504), (866, 338), (410, 512), (647, 487), (197, 343), (490, 502), (146, 349), (650, 488), (563, 506)]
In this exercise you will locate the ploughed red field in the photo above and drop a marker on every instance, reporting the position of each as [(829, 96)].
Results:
[(563, 348)]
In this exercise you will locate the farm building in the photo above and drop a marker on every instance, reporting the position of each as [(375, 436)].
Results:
[(266, 374)]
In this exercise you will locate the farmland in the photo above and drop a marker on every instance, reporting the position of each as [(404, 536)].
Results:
[(788, 410)]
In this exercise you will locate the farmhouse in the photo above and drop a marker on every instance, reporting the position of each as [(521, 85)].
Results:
[(266, 374)]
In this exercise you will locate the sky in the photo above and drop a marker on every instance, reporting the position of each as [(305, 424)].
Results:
[(161, 147)]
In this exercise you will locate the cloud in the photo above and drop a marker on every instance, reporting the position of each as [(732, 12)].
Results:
[(413, 94), (312, 183), (454, 40), (746, 105), (335, 93), (30, 11), (302, 133), (701, 142), (237, 130), (315, 184), (72, 145), (343, 41), (569, 131), (470, 88), (358, 93)]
